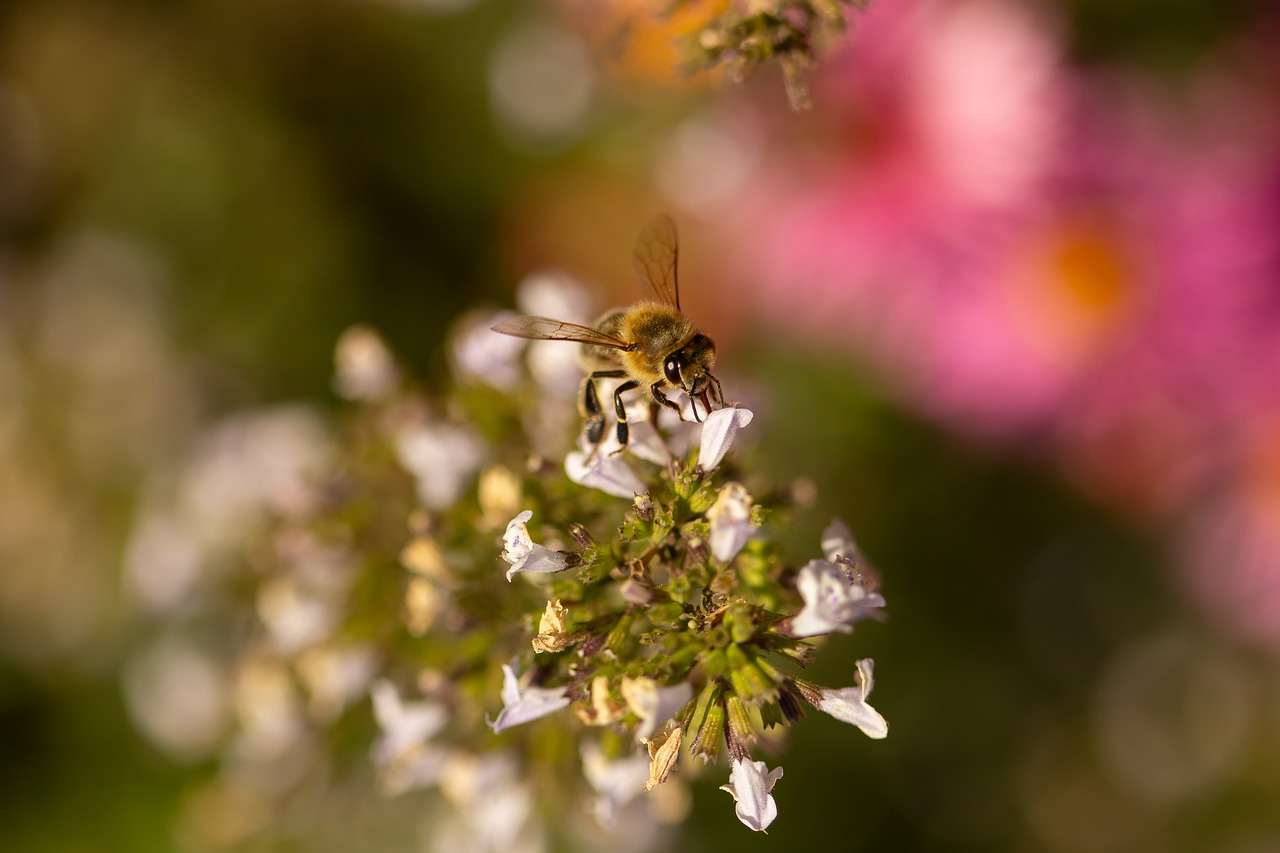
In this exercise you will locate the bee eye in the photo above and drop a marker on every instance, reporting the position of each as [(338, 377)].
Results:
[(672, 369)]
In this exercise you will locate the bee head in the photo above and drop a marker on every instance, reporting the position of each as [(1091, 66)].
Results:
[(689, 368)]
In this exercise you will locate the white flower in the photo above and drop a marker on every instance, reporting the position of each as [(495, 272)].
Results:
[(480, 354), (654, 705), (521, 705), (730, 520), (832, 602), (401, 751), (527, 556), (363, 366), (442, 458), (750, 783), (598, 468), (718, 432), (616, 782), (850, 704)]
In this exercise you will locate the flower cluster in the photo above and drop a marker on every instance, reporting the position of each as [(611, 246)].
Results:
[(621, 612)]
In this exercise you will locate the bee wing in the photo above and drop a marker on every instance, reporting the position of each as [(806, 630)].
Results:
[(546, 329), (654, 258)]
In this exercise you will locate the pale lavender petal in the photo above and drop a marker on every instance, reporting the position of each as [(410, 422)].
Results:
[(521, 705), (540, 560), (603, 471), (510, 684)]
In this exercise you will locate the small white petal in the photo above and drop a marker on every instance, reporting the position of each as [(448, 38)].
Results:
[(523, 704), (718, 432), (540, 560), (750, 783), (510, 684), (730, 520), (849, 705), (516, 542), (604, 471)]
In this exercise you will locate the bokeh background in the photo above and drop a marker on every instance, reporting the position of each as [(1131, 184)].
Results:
[(1008, 296)]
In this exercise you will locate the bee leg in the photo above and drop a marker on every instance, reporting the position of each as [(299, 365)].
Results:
[(656, 390), (624, 432), (591, 409)]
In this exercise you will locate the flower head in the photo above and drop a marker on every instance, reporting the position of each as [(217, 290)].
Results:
[(750, 784)]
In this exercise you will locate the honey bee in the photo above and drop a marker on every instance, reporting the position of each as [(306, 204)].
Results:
[(652, 345)]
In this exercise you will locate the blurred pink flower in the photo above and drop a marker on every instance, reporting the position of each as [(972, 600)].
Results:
[(938, 130), (1088, 263)]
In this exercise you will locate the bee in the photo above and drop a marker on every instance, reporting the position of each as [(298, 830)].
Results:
[(652, 345)]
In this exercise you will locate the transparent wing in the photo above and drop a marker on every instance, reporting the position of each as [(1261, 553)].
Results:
[(654, 259), (546, 329)]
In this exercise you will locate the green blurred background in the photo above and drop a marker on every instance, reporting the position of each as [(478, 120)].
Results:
[(197, 197)]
